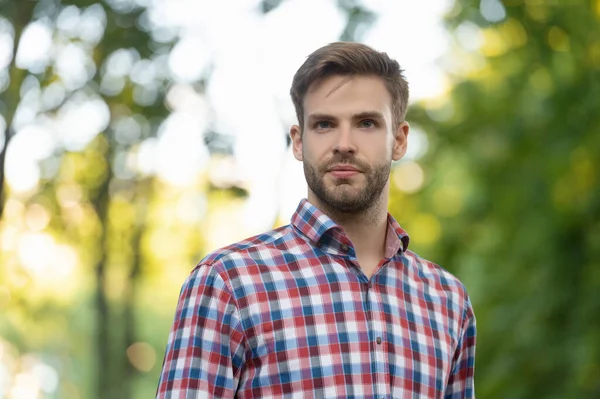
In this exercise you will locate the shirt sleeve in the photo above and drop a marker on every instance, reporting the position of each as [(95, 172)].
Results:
[(206, 347), (461, 383)]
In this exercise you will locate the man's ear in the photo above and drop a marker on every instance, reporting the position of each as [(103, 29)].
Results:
[(400, 141), (296, 136)]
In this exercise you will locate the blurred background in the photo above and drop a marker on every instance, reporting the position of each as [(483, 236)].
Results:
[(138, 135)]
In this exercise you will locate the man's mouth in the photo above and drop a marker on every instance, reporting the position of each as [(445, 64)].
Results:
[(343, 171)]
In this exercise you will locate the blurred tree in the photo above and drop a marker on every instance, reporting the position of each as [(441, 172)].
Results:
[(359, 19), (124, 73), (17, 19), (512, 185)]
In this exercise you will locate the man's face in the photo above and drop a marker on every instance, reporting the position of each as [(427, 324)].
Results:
[(348, 142)]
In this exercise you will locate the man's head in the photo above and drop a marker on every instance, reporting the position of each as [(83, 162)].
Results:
[(350, 59), (351, 102)]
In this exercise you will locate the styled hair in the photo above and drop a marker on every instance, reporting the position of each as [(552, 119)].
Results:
[(349, 58)]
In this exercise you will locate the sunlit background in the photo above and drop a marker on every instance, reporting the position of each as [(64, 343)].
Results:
[(138, 135)]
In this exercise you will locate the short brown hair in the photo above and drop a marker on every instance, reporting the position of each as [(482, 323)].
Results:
[(348, 58)]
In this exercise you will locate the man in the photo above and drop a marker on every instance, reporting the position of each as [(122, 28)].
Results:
[(333, 305)]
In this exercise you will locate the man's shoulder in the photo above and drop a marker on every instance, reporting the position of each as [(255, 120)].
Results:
[(271, 242), (435, 275)]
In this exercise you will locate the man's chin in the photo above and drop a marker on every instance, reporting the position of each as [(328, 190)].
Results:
[(334, 185), (347, 207), (345, 193), (350, 202)]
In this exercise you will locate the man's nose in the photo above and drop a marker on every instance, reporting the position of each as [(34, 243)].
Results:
[(345, 141)]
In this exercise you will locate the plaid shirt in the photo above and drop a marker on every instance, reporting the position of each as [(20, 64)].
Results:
[(289, 313)]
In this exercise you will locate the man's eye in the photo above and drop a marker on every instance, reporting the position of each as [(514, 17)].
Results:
[(323, 125), (367, 123)]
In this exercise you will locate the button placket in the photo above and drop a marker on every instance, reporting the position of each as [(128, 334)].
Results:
[(378, 331)]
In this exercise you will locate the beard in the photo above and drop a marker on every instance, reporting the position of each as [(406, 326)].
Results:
[(342, 196)]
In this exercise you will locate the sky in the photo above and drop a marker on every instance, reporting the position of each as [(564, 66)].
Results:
[(247, 96)]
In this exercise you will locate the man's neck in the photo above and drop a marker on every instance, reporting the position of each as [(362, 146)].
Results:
[(367, 230)]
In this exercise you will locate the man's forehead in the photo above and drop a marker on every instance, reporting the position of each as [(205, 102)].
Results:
[(366, 94), (339, 84), (329, 85)]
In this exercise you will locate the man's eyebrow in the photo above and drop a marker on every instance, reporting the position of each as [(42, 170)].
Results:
[(318, 116), (369, 114)]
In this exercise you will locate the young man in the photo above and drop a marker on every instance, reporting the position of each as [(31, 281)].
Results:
[(333, 305)]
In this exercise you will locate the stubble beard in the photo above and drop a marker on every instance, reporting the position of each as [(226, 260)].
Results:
[(343, 197)]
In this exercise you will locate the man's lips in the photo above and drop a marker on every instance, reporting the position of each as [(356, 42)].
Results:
[(343, 171)]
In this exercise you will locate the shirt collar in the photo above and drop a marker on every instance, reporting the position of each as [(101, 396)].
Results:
[(314, 224)]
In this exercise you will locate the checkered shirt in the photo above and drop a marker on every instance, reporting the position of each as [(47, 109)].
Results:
[(290, 314)]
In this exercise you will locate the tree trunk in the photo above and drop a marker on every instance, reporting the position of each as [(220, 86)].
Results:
[(2, 168), (142, 196), (19, 16), (103, 348)]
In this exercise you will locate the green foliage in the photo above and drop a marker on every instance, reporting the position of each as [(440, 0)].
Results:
[(90, 214), (518, 142)]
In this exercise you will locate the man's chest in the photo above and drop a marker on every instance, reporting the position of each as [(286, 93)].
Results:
[(336, 330)]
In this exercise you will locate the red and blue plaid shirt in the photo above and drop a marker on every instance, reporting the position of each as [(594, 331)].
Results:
[(289, 313)]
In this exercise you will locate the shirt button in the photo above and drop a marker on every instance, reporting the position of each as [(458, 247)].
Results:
[(344, 247), (378, 340)]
